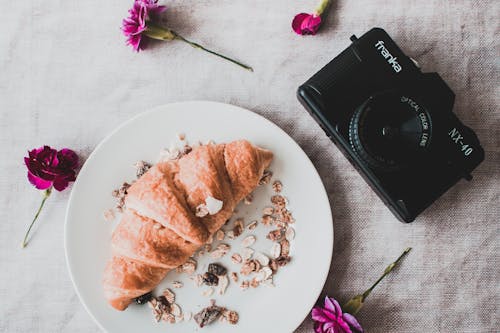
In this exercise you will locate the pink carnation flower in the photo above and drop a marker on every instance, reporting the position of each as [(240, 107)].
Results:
[(309, 24), (135, 24), (330, 319)]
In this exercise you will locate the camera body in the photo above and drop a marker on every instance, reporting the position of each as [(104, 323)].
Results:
[(393, 123)]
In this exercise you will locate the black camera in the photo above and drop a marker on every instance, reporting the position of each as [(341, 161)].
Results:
[(393, 122)]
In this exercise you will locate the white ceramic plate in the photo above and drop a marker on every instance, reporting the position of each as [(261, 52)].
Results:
[(263, 309)]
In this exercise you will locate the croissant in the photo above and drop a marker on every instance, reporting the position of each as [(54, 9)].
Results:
[(159, 229)]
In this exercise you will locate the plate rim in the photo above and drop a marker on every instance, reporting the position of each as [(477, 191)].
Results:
[(158, 108)]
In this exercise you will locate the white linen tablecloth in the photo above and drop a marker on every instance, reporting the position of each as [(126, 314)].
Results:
[(66, 79)]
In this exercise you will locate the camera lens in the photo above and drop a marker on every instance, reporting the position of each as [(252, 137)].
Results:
[(389, 130)]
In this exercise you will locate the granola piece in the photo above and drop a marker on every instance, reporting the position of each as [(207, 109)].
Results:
[(223, 283), (266, 177), (276, 250), (219, 235), (264, 273), (231, 316), (273, 265), (285, 247), (210, 240), (213, 205), (181, 136), (254, 283), (261, 259), (252, 225), (141, 167), (247, 241), (290, 234), (198, 280), (248, 199), (268, 282), (277, 186), (268, 211), (220, 251), (247, 253), (236, 258), (109, 215), (217, 269), (177, 284), (238, 228), (207, 315), (283, 260), (267, 219), (285, 216), (230, 234), (175, 309), (168, 317), (169, 295), (278, 201), (210, 279), (244, 285), (275, 235), (249, 266), (234, 276), (189, 267)]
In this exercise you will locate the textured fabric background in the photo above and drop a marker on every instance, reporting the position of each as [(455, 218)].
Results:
[(66, 79)]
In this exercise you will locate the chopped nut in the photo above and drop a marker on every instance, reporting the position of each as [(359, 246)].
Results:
[(223, 283), (284, 215), (248, 199), (201, 210), (219, 235), (217, 269), (109, 215), (245, 284), (277, 186), (186, 149), (248, 267), (262, 259), (231, 316), (249, 240), (266, 177), (267, 219), (236, 258), (208, 292), (181, 136), (169, 295), (254, 283), (252, 225), (141, 168), (220, 251), (285, 247), (278, 201), (275, 235), (276, 250), (234, 276), (210, 239), (247, 253), (177, 284), (264, 273), (290, 234)]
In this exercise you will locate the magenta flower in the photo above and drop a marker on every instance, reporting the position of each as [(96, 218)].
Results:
[(330, 319), (135, 24), (142, 24), (309, 24), (47, 169)]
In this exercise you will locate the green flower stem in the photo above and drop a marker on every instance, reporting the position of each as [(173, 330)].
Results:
[(159, 33), (323, 4), (356, 303), (45, 197)]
